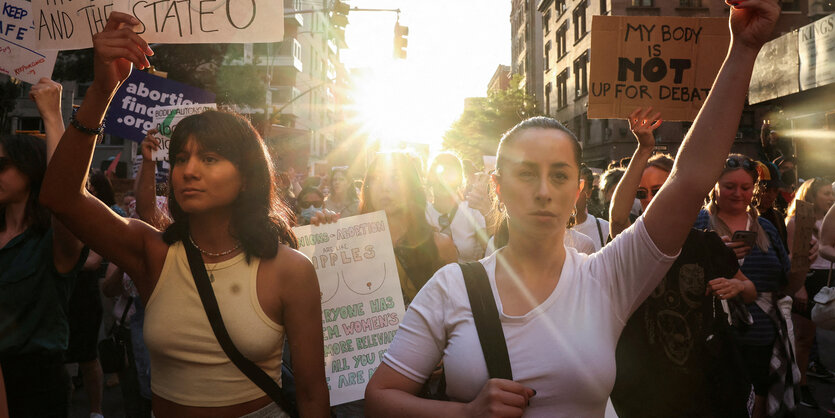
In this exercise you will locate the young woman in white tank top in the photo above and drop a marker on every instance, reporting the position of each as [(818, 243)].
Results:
[(223, 200)]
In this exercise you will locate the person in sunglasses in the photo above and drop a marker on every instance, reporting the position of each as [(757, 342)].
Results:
[(39, 263), (768, 356), (664, 363), (309, 202)]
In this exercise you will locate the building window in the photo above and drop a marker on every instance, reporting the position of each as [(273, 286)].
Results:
[(562, 89), (297, 50), (561, 35), (548, 99), (581, 64), (580, 21), (548, 56), (790, 5), (642, 3), (604, 7), (561, 7), (546, 22), (690, 3)]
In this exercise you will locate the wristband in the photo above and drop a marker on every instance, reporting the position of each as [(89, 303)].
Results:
[(77, 125)]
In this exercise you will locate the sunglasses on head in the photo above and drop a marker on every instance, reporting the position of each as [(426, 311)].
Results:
[(745, 163), (642, 193)]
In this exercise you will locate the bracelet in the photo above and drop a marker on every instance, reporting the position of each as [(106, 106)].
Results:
[(77, 125)]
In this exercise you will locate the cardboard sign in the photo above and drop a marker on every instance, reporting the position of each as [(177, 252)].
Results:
[(668, 63), (19, 57), (804, 226), (166, 119), (71, 24), (131, 112), (362, 304)]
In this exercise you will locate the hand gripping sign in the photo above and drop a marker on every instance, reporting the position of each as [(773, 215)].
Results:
[(362, 304), (71, 24)]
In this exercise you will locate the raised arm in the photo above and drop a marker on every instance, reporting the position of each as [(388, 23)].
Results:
[(66, 248), (642, 126), (707, 144), (122, 241), (146, 187), (827, 236)]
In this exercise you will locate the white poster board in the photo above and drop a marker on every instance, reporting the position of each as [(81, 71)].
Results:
[(362, 304), (166, 119), (816, 50), (71, 24), (19, 57)]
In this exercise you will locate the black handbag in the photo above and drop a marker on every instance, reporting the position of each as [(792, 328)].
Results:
[(113, 350), (245, 365)]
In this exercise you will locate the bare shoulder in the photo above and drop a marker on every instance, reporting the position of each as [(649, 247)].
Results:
[(291, 267), (447, 251)]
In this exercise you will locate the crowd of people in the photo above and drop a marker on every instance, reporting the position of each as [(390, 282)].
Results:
[(662, 284)]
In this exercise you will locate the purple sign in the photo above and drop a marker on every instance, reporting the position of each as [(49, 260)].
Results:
[(131, 112)]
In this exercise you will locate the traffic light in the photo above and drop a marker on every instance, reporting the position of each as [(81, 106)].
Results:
[(339, 14), (400, 41)]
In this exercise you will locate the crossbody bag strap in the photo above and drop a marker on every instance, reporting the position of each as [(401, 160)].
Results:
[(599, 231), (207, 297), (487, 321)]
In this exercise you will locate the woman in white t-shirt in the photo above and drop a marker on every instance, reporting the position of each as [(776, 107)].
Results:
[(561, 312)]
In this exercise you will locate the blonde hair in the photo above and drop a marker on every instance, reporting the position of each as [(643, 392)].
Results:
[(806, 192), (716, 224)]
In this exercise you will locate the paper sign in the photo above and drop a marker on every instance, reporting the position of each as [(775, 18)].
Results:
[(804, 225), (71, 24), (166, 119), (131, 112), (362, 304), (816, 49), (19, 57), (668, 63)]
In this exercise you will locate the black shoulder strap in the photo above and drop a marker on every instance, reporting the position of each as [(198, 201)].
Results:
[(599, 231), (487, 322), (207, 296)]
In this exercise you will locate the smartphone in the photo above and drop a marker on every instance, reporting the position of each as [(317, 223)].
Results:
[(747, 237)]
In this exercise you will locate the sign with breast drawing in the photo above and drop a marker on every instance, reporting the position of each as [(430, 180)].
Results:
[(362, 304)]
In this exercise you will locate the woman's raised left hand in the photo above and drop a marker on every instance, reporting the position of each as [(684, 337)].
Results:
[(752, 21)]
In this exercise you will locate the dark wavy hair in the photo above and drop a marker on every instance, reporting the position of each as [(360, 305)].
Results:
[(260, 220), (102, 187), (28, 155), (419, 229)]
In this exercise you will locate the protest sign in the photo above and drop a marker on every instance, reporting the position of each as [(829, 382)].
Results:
[(804, 225), (362, 304), (775, 70), (816, 50), (668, 63), (71, 24), (166, 119), (19, 57), (131, 112)]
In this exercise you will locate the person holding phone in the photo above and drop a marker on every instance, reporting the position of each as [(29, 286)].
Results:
[(730, 208)]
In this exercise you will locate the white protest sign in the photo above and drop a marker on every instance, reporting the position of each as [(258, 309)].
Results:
[(71, 24), (166, 119), (362, 304), (18, 56)]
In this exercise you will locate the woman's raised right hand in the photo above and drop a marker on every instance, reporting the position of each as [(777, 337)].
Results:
[(149, 144), (117, 48), (501, 398)]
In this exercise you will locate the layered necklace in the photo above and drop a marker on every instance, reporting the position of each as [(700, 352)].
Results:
[(211, 254)]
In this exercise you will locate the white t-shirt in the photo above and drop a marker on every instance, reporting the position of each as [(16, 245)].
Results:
[(573, 239), (464, 227), (564, 348), (589, 228)]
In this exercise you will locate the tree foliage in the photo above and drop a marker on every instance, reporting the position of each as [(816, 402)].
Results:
[(478, 131)]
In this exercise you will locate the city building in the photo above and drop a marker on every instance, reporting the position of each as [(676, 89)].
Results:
[(500, 80), (305, 80), (566, 44), (526, 58)]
